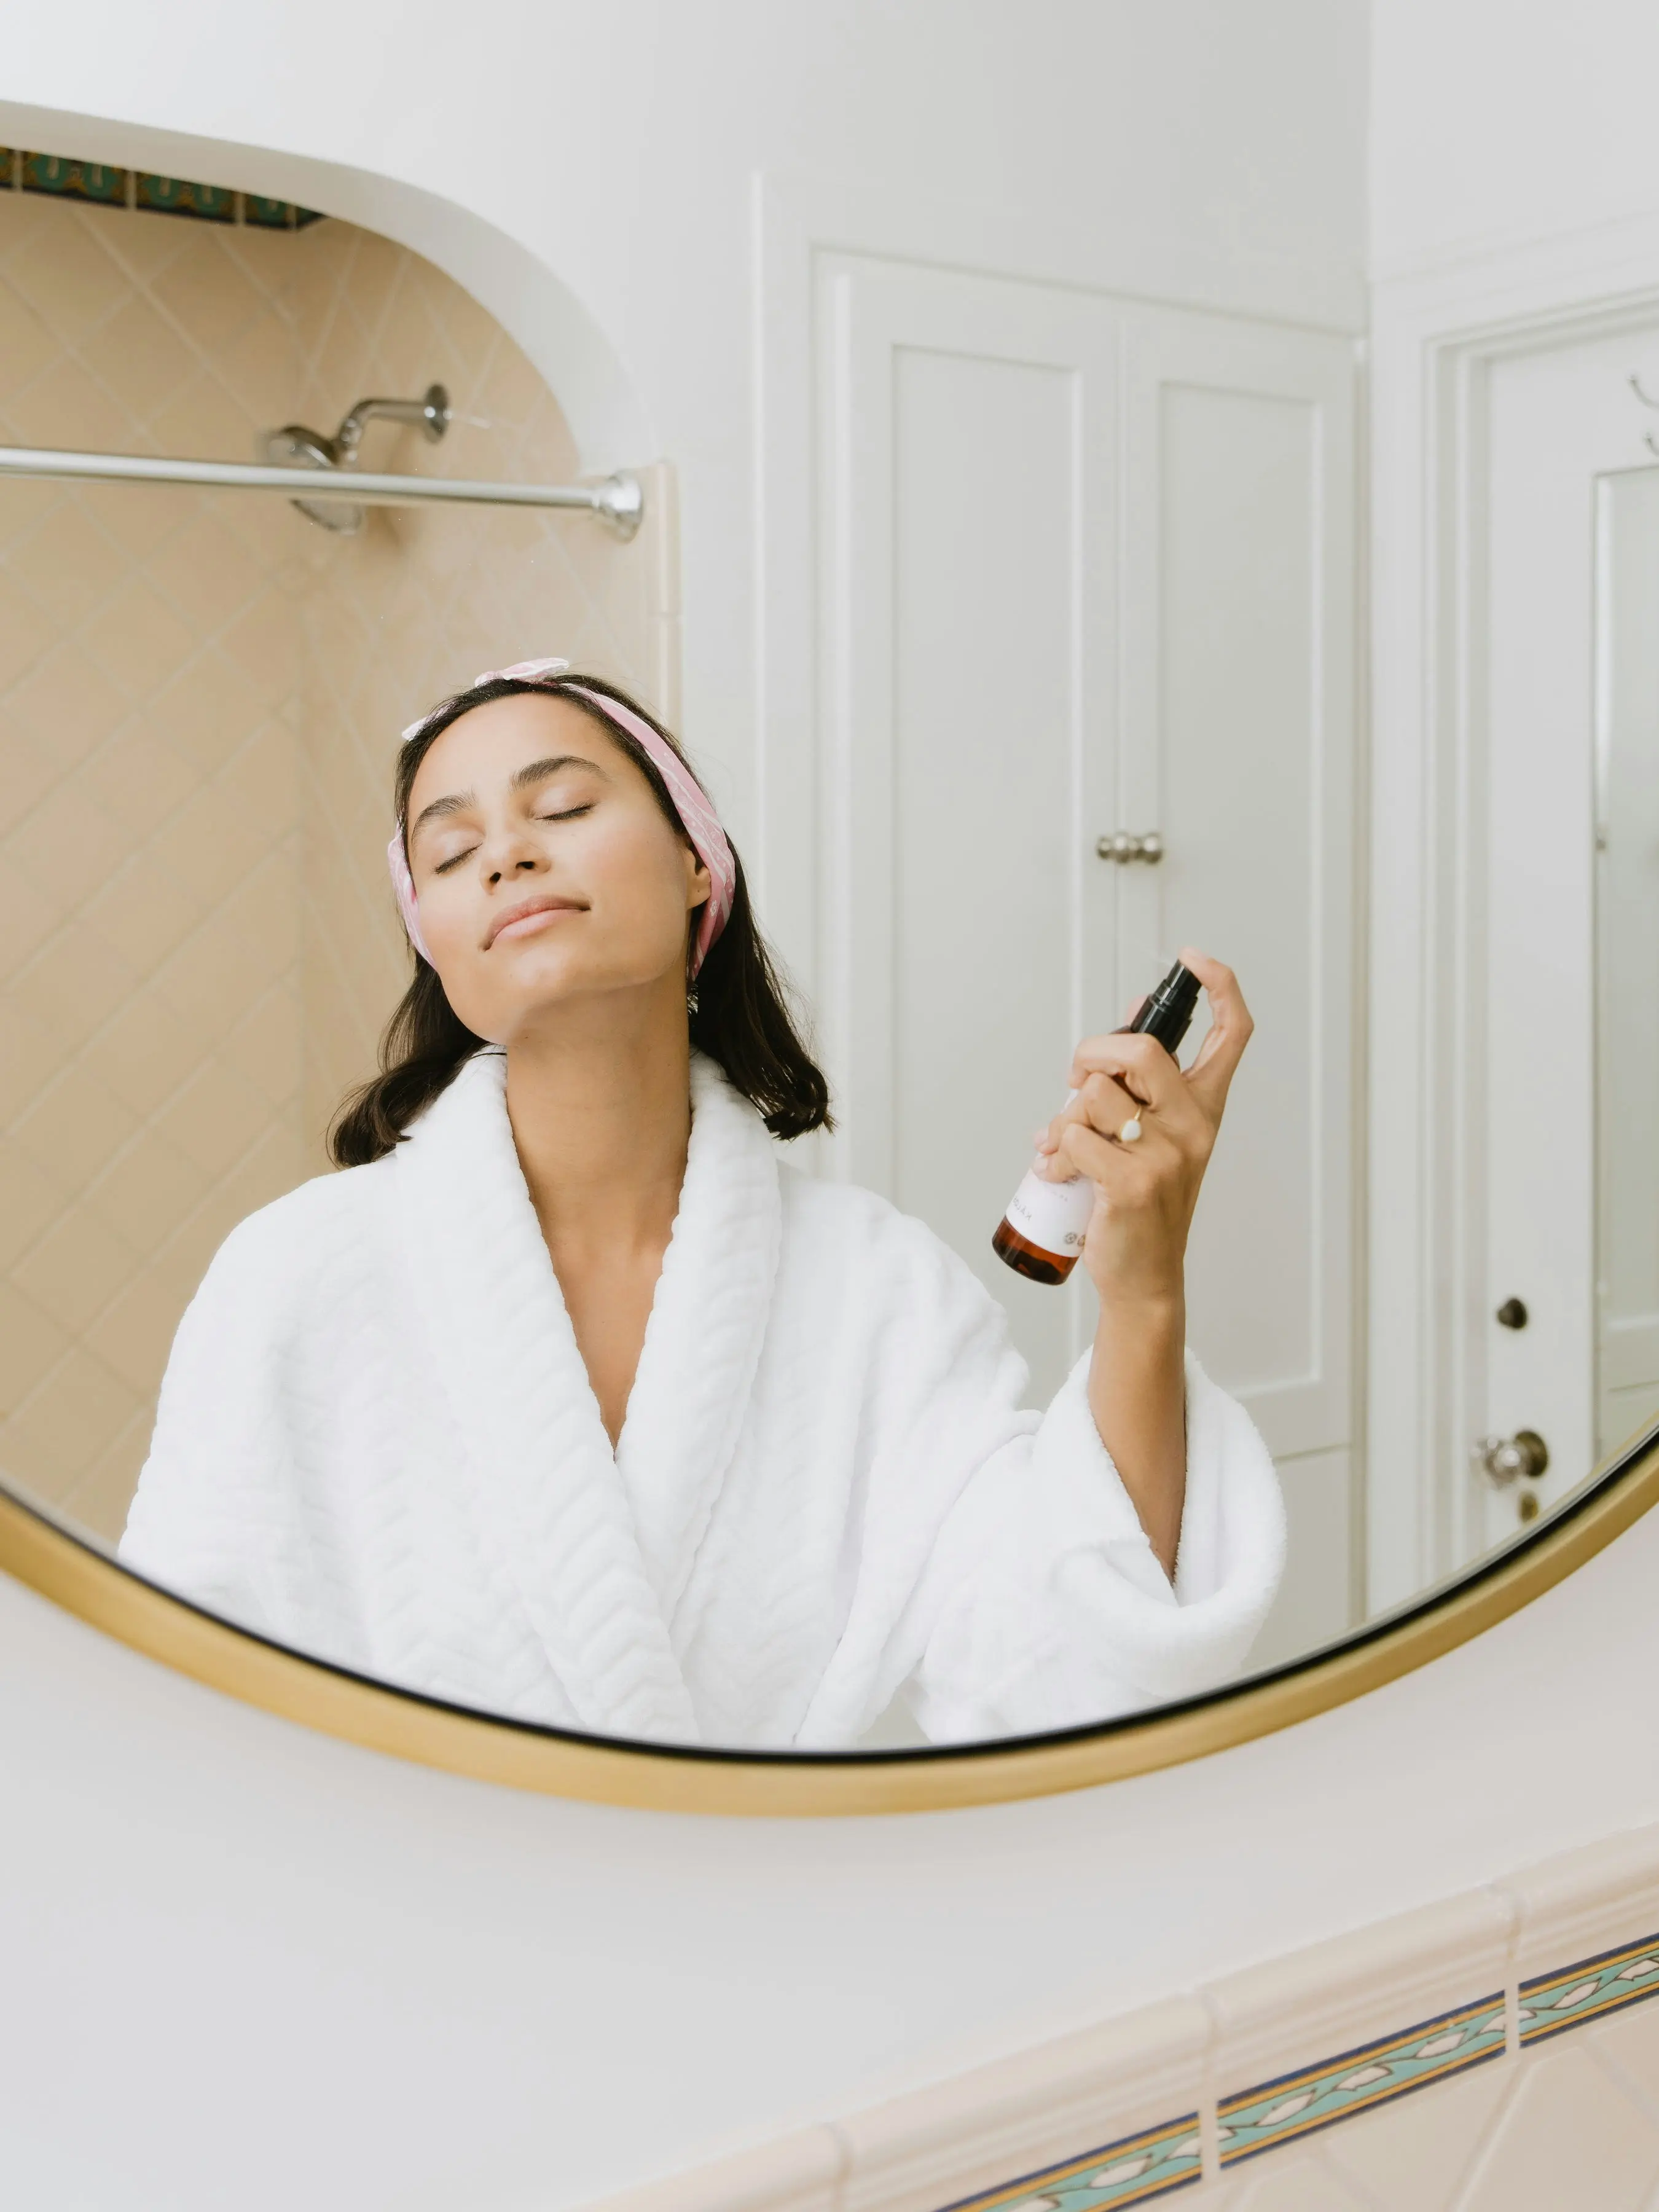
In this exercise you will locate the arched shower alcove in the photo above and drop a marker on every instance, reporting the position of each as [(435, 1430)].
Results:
[(201, 692)]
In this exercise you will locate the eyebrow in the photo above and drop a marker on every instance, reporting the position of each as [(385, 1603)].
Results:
[(522, 779)]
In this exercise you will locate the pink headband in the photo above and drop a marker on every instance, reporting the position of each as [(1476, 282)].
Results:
[(690, 802)]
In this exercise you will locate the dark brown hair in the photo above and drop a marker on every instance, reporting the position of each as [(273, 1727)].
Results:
[(738, 1013)]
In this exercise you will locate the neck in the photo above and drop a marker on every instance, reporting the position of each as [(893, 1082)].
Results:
[(600, 1107)]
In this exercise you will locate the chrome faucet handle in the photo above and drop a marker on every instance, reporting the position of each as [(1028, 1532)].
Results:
[(1501, 1459)]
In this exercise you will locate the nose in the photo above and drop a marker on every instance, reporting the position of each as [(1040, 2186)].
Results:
[(511, 854)]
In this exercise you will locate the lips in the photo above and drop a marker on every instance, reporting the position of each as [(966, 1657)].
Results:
[(532, 911)]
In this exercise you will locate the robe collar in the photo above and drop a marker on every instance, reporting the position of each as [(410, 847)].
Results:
[(598, 1546)]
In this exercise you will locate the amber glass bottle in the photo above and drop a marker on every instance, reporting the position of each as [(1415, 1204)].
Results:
[(1042, 1234)]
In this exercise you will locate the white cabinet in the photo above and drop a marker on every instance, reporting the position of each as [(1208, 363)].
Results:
[(1084, 565)]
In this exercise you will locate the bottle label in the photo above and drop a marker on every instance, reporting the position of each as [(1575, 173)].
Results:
[(1054, 1216)]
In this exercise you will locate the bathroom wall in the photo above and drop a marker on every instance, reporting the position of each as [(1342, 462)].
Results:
[(1487, 128), (200, 696)]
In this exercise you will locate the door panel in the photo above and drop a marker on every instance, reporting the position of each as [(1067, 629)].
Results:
[(1531, 1042), (1627, 953), (983, 805), (1568, 668), (1239, 743), (1085, 565), (970, 434)]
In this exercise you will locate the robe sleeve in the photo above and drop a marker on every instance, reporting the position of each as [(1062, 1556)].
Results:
[(217, 1517), (1032, 1599), (1051, 1610)]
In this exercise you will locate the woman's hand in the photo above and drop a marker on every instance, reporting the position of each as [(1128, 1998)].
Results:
[(1147, 1188), (1145, 1191)]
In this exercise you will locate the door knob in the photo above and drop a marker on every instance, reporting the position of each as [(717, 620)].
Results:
[(1500, 1458), (1124, 845)]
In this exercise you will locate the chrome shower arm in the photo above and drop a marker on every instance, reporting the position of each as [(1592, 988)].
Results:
[(429, 413)]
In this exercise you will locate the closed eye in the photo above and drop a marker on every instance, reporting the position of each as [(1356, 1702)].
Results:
[(565, 814)]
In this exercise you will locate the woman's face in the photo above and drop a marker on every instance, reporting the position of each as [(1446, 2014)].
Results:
[(544, 866)]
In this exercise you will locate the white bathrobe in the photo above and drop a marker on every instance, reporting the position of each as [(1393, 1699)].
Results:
[(377, 1442)]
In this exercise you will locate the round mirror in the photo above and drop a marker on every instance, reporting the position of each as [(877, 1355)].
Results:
[(1051, 1197)]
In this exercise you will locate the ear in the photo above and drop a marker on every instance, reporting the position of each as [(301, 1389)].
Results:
[(699, 886)]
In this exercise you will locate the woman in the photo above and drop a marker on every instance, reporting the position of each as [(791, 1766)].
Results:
[(571, 1399)]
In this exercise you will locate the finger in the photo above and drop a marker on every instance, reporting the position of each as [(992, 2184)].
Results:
[(1110, 1107), (1123, 1171), (1107, 1110), (1143, 1068), (1210, 1077), (1101, 1103)]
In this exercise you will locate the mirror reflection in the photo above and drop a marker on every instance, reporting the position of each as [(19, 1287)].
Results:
[(567, 1398), (916, 1281)]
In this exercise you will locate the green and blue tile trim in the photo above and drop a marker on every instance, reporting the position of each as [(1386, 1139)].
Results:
[(1552, 2003), (1277, 2111), (1133, 2171), (1158, 2161), (100, 186)]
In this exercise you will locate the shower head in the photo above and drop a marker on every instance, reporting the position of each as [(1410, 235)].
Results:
[(294, 447)]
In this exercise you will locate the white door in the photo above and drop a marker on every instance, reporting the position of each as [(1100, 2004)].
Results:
[(1566, 854), (1626, 799), (1085, 567)]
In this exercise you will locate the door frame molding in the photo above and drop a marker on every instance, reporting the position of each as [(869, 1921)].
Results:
[(1439, 330)]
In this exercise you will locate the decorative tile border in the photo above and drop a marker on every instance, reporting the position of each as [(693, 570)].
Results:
[(99, 186), (1133, 2171), (1552, 2003), (73, 180), (916, 2151), (1159, 2160), (275, 215), (174, 196), (1318, 2096)]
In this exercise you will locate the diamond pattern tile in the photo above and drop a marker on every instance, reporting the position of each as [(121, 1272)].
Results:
[(200, 699)]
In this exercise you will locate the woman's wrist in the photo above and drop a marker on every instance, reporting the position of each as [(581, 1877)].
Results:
[(1150, 1310), (1137, 1396)]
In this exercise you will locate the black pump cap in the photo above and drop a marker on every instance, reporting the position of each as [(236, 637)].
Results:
[(1167, 1014)]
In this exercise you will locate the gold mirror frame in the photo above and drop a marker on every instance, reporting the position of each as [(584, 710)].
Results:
[(86, 1580)]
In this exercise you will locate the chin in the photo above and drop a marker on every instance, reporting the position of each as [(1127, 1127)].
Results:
[(540, 982)]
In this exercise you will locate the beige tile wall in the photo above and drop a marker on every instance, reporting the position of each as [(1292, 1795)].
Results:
[(200, 697)]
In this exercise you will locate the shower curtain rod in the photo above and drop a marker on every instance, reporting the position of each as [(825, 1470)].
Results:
[(619, 501)]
